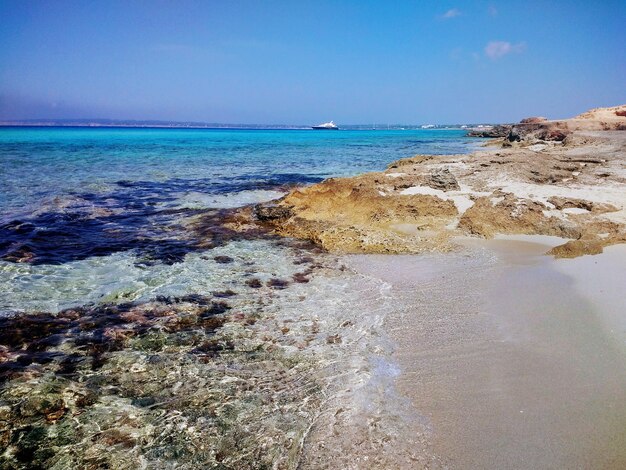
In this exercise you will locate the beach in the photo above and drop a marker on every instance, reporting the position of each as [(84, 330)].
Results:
[(514, 366), (505, 267), (458, 309), (319, 235)]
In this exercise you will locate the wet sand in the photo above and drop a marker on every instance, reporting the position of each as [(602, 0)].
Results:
[(513, 359)]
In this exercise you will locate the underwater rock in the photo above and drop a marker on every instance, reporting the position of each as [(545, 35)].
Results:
[(51, 406), (224, 293), (275, 283), (300, 278)]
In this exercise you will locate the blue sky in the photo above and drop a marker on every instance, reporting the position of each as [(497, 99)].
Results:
[(302, 62)]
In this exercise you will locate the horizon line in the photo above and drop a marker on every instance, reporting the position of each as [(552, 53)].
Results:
[(161, 123)]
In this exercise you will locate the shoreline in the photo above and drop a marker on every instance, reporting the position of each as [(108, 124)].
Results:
[(325, 361), (513, 366), (508, 357)]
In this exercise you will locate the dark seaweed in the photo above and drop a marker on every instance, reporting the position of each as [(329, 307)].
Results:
[(90, 332), (134, 217)]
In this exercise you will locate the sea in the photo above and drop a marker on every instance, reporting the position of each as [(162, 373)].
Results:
[(138, 330)]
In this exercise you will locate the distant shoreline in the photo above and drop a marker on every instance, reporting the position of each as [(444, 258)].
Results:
[(175, 125)]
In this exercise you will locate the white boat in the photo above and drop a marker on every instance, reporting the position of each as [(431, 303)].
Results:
[(327, 126)]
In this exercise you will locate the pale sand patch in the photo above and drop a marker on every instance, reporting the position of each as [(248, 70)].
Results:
[(514, 249), (537, 147), (426, 190), (613, 194), (449, 165), (539, 241), (510, 356), (601, 280)]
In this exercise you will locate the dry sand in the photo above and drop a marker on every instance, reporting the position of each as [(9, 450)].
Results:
[(509, 355)]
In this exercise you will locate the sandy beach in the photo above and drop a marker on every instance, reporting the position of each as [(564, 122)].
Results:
[(515, 366), (505, 329), (312, 235)]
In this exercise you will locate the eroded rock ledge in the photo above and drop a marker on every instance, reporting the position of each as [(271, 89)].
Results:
[(563, 178)]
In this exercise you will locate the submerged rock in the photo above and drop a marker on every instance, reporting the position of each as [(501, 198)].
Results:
[(275, 283), (255, 283), (175, 381)]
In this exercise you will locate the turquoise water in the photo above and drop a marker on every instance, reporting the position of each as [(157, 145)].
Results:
[(91, 215), (138, 330), (43, 163)]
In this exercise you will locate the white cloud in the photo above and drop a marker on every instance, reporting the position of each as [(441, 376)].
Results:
[(497, 49), (451, 13), (493, 11)]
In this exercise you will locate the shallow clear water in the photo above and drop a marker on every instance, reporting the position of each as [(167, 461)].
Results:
[(86, 213), (137, 330)]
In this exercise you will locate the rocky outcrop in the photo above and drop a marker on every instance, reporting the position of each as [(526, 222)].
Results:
[(513, 215), (533, 120), (538, 131), (415, 160), (493, 132), (356, 215), (561, 203), (551, 180), (269, 212), (613, 114)]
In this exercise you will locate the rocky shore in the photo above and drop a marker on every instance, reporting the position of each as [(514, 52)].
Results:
[(283, 361), (562, 178)]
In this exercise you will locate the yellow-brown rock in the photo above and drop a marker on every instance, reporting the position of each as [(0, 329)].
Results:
[(573, 188)]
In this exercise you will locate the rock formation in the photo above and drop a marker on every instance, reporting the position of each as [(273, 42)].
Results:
[(490, 132), (563, 178)]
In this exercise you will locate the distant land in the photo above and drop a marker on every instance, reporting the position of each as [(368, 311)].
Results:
[(213, 125)]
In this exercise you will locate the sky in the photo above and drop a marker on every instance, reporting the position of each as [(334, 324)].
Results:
[(297, 62)]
